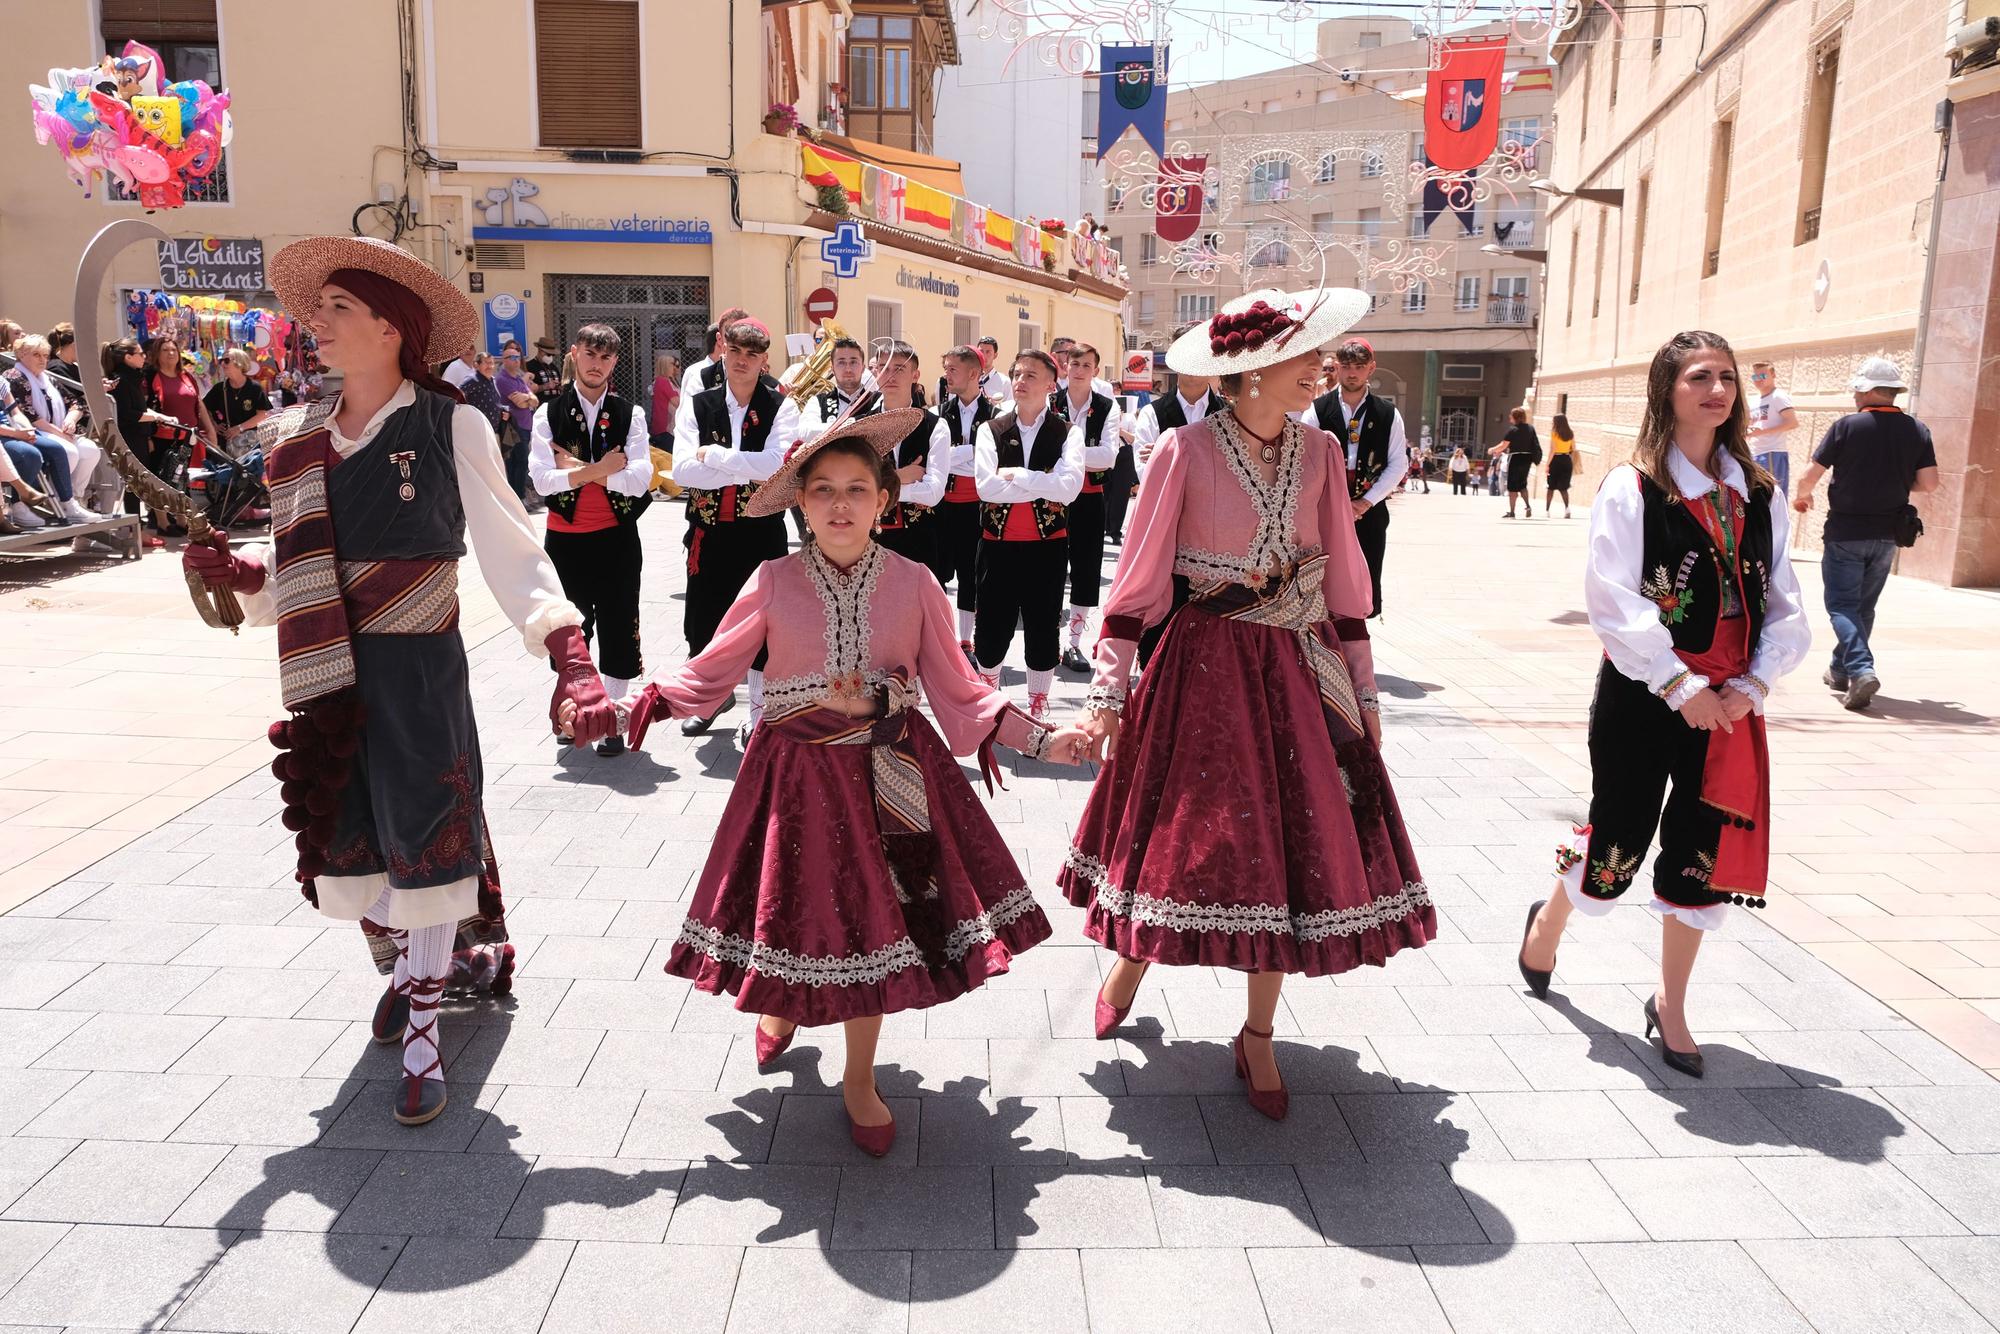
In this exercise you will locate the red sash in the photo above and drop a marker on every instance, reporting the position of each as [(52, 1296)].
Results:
[(1736, 777)]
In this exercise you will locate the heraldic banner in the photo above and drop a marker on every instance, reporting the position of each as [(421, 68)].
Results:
[(1177, 197), (1132, 94), (1462, 103)]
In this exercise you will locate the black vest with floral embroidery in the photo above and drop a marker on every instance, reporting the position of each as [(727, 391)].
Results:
[(590, 441), (707, 508), (1682, 571), (1094, 423), (1371, 451), (1051, 518), (916, 448)]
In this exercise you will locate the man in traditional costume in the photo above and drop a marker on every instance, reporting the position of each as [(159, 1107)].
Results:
[(1377, 453)]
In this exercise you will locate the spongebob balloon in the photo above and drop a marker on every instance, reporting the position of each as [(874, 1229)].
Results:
[(121, 118), (159, 118)]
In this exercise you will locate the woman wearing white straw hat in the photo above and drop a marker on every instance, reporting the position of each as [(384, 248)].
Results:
[(855, 872), (373, 497), (1244, 818)]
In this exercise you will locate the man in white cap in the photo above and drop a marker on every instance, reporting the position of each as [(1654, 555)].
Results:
[(1878, 455)]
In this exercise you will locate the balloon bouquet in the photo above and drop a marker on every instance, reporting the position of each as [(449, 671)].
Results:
[(118, 119)]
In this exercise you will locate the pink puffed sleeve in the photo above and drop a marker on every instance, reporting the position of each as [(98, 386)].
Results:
[(1142, 589), (697, 687), (970, 713), (1350, 596)]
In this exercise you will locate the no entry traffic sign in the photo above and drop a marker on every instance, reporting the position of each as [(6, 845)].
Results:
[(821, 304)]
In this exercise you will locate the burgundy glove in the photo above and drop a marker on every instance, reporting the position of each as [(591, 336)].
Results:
[(577, 679), (649, 705), (218, 568)]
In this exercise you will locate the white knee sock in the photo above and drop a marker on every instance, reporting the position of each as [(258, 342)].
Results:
[(1039, 682), (1079, 620), (990, 675), (615, 687), (965, 626), (429, 961)]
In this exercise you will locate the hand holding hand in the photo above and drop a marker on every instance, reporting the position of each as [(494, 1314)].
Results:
[(1068, 745), (1100, 736), (590, 716), (1736, 704), (1706, 712), (218, 567)]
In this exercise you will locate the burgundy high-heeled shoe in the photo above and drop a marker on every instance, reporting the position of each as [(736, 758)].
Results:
[(1274, 1103), (769, 1048), (1109, 1016), (875, 1141)]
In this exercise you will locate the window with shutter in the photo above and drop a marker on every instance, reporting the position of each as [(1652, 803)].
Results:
[(186, 35), (587, 73)]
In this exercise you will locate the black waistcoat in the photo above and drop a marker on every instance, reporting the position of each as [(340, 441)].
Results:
[(371, 519), (1167, 410), (707, 508), (982, 411), (1682, 569), (590, 441), (1051, 518), (915, 448), (1372, 454)]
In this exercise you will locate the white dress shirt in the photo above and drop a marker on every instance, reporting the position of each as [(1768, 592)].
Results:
[(994, 385), (1629, 622), (712, 466), (634, 479), (961, 455), (812, 421), (691, 378), (1102, 452), (1062, 483), (1147, 433), (1399, 451), (937, 463), (458, 372)]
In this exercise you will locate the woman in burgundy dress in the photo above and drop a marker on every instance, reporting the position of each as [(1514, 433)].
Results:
[(1244, 818), (855, 872)]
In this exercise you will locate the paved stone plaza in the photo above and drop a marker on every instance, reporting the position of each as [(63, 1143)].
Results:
[(200, 1137)]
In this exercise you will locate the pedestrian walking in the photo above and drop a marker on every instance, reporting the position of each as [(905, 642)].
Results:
[(1879, 456), (1688, 585), (517, 393), (1522, 449), (1772, 421), (1244, 818), (855, 873), (1562, 465), (1378, 454), (1460, 468)]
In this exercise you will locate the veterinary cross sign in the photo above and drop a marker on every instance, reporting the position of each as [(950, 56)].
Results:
[(846, 250)]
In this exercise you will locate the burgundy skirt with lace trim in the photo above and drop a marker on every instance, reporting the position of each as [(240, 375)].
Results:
[(797, 914), (1224, 831)]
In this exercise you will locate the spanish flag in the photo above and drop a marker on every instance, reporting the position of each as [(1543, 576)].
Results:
[(1000, 233), (930, 207), (822, 166)]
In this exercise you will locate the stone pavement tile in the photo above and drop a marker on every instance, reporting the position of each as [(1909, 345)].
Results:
[(27, 1035), (134, 1042), (1862, 1286), (1468, 964), (930, 1067), (559, 917), (611, 1287), (990, 1013), (1052, 1067), (1838, 1005), (1042, 1208), (1728, 1061), (277, 1048), (1964, 1120), (1930, 1058), (1503, 1289), (113, 1277), (258, 993), (22, 1246), (648, 1004), (129, 988), (757, 1204), (732, 1128), (1156, 1129), (136, 942), (596, 1199), (809, 1292), (1594, 962), (1313, 1131), (651, 919), (1971, 1265), (1854, 1125), (1052, 966), (118, 1181), (1329, 1011), (257, 1187), (109, 1104), (39, 938), (1698, 1199), (1561, 1062), (1458, 1064), (1462, 1010), (813, 1128), (26, 1094), (629, 1058), (1544, 1202), (996, 1292), (427, 1194), (291, 1281), (1388, 1204), (914, 1208), (1327, 1065), (528, 1121), (1309, 1291), (508, 1283), (504, 1054), (1690, 1287), (1243, 1205), (990, 1132), (1073, 1010), (369, 1123), (655, 884), (1972, 1029), (23, 1162), (1170, 1291), (1817, 1059), (1837, 1199), (1406, 969), (29, 984), (257, 946), (1419, 1127), (1968, 1184), (1701, 1123), (530, 1005), (615, 959), (1583, 1124), (252, 1110), (1214, 1012)]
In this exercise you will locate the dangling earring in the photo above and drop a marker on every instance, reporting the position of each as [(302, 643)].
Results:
[(1255, 376)]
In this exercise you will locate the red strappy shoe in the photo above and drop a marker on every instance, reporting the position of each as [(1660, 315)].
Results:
[(1109, 1016), (419, 1097), (1273, 1103), (769, 1048)]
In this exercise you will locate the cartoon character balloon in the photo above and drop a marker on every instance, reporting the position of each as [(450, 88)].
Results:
[(119, 119)]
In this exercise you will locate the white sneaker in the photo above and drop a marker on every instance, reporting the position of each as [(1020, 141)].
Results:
[(76, 513), (24, 517)]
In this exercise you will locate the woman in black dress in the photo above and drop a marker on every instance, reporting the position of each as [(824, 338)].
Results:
[(1523, 449)]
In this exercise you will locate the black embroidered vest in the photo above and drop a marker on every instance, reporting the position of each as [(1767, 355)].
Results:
[(916, 448), (589, 442), (711, 374), (371, 520), (1372, 455), (1051, 517), (1167, 410), (708, 508), (1682, 571), (959, 488), (1095, 421)]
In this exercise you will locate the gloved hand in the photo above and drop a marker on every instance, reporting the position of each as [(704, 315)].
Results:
[(220, 568), (577, 681), (647, 705)]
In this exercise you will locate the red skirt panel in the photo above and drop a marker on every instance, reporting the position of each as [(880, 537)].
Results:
[(1224, 831), (797, 914)]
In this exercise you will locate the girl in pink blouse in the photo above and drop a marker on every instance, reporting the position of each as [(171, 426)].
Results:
[(1244, 818), (855, 872)]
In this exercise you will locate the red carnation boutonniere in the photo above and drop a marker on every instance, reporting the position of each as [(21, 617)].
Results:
[(603, 421)]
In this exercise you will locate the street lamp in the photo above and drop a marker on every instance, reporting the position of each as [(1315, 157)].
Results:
[(1517, 252), (1609, 195)]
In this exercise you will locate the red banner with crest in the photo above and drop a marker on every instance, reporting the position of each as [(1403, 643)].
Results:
[(1462, 103), (1177, 197)]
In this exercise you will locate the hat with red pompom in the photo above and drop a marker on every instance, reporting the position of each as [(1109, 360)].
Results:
[(1261, 329)]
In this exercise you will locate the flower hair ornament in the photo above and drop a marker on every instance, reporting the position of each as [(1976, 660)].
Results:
[(1248, 330)]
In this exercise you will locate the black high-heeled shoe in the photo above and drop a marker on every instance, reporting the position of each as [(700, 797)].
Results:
[(1687, 1062), (1536, 978)]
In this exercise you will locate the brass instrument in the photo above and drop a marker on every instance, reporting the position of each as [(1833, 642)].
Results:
[(814, 375)]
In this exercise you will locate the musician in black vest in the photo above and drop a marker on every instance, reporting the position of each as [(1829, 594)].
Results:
[(589, 459), (850, 370), (910, 526), (1083, 405), (1193, 398), (1028, 468), (1377, 453), (965, 409), (726, 441)]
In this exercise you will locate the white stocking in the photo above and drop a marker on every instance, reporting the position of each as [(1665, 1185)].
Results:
[(965, 627), (429, 961), (1079, 620), (1039, 682), (615, 687)]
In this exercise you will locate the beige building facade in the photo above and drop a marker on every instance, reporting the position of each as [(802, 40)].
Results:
[(1310, 174), (1805, 178)]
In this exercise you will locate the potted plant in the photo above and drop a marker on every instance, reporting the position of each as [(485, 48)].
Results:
[(832, 199), (1055, 226), (781, 119)]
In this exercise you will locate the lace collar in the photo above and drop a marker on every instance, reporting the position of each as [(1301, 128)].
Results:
[(845, 595), (1276, 504)]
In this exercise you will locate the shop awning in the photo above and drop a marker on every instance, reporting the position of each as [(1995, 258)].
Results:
[(939, 172)]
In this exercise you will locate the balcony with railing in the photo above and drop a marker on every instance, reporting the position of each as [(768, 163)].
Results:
[(1507, 310), (1514, 233), (1810, 226)]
